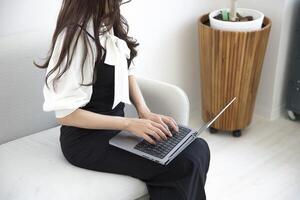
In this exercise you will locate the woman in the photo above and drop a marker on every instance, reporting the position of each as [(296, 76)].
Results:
[(90, 77)]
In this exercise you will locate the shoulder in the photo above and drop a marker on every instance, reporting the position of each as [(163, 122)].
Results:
[(79, 40), (80, 31)]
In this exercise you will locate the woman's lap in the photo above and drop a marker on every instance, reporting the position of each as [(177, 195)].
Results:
[(115, 160), (184, 177)]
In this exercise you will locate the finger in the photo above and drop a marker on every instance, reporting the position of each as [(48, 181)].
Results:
[(149, 139), (163, 128), (170, 123), (158, 120), (177, 128), (154, 134), (158, 131), (164, 125)]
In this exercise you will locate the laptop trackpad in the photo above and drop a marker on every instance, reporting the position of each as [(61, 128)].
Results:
[(125, 138)]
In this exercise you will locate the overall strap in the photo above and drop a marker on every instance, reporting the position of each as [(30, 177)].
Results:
[(86, 32)]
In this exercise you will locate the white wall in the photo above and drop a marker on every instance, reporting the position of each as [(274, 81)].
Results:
[(26, 24), (167, 31), (168, 36), (27, 15)]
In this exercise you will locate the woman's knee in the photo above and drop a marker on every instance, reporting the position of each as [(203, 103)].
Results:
[(203, 144), (202, 150), (195, 157)]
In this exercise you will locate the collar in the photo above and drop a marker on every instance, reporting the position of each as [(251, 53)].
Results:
[(114, 46)]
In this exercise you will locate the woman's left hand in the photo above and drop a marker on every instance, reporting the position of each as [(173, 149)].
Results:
[(165, 121)]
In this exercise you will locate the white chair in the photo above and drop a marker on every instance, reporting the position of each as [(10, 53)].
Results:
[(33, 167)]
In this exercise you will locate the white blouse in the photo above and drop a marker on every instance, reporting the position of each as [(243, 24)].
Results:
[(68, 95)]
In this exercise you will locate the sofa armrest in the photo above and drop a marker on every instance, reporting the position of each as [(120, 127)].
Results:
[(163, 98)]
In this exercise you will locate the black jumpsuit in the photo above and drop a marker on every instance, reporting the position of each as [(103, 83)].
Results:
[(182, 178)]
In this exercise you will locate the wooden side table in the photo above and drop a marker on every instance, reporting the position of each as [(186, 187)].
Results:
[(231, 64)]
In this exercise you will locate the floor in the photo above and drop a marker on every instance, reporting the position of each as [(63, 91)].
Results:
[(263, 164)]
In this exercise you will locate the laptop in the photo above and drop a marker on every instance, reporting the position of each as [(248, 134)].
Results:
[(163, 152)]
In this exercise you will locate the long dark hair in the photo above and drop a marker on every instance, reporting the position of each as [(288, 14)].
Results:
[(75, 12)]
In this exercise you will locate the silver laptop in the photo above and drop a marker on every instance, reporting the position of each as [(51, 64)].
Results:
[(163, 152)]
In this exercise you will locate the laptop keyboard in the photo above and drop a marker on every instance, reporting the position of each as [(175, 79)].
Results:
[(162, 148)]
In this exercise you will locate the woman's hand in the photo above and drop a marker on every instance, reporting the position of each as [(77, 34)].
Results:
[(147, 129), (165, 121)]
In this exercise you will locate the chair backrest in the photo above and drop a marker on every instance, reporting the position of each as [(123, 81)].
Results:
[(21, 86), (165, 98)]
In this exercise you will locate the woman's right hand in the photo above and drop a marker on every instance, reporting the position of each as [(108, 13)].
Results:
[(146, 128)]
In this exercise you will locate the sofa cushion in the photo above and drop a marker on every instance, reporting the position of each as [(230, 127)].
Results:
[(33, 168)]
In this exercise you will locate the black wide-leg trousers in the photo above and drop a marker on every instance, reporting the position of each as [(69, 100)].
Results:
[(182, 179)]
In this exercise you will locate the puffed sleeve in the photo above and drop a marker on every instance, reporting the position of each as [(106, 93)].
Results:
[(68, 95), (132, 69)]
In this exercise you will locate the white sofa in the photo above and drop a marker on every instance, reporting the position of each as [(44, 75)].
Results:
[(32, 166)]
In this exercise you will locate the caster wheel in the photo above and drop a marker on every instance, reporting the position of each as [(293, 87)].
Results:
[(212, 130), (291, 115), (237, 133)]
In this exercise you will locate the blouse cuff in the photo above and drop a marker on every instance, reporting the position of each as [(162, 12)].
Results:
[(63, 113)]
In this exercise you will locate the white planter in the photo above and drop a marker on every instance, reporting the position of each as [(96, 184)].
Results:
[(254, 25)]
